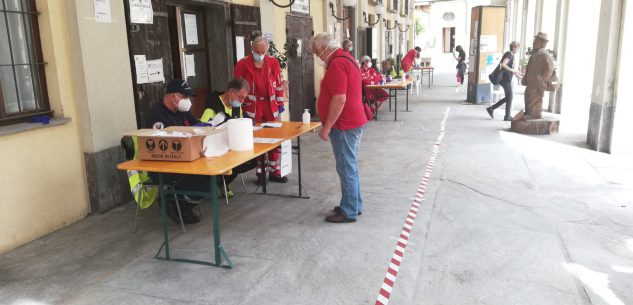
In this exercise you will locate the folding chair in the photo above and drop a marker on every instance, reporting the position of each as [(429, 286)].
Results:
[(143, 189)]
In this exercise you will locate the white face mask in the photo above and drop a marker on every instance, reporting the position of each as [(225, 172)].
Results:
[(258, 57), (320, 61), (369, 64), (184, 105)]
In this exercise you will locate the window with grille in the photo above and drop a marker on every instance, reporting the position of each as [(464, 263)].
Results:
[(22, 85)]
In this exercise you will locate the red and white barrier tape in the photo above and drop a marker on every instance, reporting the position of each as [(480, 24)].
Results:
[(403, 240)]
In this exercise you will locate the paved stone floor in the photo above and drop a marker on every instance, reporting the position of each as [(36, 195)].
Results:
[(507, 219)]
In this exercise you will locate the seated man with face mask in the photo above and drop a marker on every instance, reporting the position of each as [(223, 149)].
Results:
[(228, 103), (221, 107), (173, 110)]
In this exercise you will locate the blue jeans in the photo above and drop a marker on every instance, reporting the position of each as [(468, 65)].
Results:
[(345, 145)]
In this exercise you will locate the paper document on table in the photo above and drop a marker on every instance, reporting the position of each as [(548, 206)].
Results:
[(275, 125), (266, 140), (257, 128), (218, 119)]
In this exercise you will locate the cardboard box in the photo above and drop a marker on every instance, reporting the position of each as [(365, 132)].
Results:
[(169, 146)]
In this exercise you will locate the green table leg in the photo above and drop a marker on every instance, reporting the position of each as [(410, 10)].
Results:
[(163, 213)]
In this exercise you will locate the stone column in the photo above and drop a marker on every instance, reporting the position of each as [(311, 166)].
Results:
[(105, 97), (538, 16), (622, 124), (604, 82), (560, 37)]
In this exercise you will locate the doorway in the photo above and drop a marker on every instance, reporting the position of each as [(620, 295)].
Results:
[(300, 66), (246, 26), (190, 52), (448, 39), (179, 35)]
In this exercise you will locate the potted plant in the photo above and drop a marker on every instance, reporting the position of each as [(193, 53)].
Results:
[(283, 62)]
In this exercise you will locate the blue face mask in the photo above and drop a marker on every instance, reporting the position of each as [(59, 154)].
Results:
[(235, 103), (258, 58)]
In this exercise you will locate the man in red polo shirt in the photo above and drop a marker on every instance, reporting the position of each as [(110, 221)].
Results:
[(408, 59), (340, 107)]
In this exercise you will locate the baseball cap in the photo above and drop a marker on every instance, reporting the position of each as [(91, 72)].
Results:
[(179, 86)]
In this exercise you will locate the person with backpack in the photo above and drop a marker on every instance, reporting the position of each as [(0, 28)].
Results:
[(507, 69), (341, 110)]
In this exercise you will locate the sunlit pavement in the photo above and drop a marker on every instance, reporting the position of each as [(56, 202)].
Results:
[(506, 219)]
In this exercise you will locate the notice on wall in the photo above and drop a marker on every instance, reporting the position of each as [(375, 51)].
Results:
[(301, 6), (191, 29), (141, 11), (268, 36), (488, 43), (299, 47), (190, 65), (140, 64), (155, 71), (102, 11), (285, 159), (239, 47)]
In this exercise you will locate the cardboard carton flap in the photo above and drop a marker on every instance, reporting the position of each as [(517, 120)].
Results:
[(194, 131)]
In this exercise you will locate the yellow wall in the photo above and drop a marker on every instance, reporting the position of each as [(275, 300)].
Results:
[(43, 177)]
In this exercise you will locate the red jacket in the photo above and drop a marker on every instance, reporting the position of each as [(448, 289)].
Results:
[(408, 59), (245, 69)]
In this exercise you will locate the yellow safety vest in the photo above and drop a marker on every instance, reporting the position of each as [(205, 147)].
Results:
[(209, 113), (143, 195)]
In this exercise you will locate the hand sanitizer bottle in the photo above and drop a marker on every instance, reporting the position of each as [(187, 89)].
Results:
[(306, 116)]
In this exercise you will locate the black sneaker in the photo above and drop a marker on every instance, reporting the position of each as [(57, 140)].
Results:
[(338, 209), (278, 179), (507, 118), (490, 112)]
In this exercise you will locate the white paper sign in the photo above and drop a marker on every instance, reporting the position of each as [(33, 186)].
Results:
[(299, 47), (301, 6), (140, 63), (141, 11), (102, 11), (155, 71), (190, 65), (191, 29), (488, 43), (285, 159), (239, 47)]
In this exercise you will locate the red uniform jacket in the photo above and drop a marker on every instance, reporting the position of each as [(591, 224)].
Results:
[(245, 69), (368, 76)]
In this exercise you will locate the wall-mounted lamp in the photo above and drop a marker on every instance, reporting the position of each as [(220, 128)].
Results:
[(368, 21), (282, 6), (387, 27), (345, 3), (400, 29)]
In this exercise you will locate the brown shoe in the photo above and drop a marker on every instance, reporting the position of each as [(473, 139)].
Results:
[(339, 217), (338, 209)]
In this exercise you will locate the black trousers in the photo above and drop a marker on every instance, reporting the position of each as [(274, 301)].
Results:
[(507, 89)]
